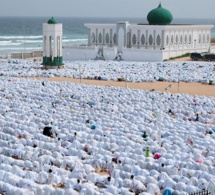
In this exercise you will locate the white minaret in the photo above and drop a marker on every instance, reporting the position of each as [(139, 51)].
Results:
[(52, 44)]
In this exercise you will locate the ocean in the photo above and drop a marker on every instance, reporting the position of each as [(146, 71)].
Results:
[(25, 33)]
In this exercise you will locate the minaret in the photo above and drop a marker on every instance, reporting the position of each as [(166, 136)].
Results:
[(52, 44)]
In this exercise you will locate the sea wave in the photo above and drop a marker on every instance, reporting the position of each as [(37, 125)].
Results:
[(8, 43), (5, 42), (21, 37), (29, 41), (74, 40), (33, 42), (21, 48)]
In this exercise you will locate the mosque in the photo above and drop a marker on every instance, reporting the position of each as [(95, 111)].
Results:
[(158, 40)]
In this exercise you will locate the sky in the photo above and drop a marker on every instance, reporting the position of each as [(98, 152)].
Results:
[(106, 8)]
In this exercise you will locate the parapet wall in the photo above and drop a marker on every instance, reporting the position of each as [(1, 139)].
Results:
[(32, 54)]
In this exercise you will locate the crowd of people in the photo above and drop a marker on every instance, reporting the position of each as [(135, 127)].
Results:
[(201, 72), (66, 138)]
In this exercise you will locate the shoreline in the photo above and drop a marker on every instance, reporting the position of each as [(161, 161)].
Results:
[(181, 87)]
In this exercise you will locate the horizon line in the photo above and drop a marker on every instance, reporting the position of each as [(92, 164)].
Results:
[(99, 17)]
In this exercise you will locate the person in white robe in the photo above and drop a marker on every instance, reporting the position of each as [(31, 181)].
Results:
[(50, 177), (78, 185)]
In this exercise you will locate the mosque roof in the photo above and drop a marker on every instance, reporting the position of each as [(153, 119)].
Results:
[(52, 21), (159, 16)]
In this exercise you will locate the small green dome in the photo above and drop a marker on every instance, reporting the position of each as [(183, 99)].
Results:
[(52, 21), (159, 16)]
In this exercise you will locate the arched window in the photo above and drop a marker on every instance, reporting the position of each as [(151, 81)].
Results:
[(93, 38), (158, 40), (167, 40), (185, 39), (200, 38), (100, 37), (150, 40), (143, 40), (181, 39), (134, 39), (172, 39), (190, 39), (114, 38), (203, 39), (176, 39), (107, 38)]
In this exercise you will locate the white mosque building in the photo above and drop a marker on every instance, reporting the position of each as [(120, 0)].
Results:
[(158, 40)]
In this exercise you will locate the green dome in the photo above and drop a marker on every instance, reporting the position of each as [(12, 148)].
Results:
[(159, 16), (52, 21)]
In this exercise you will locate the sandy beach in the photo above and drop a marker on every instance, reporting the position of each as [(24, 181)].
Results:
[(182, 87)]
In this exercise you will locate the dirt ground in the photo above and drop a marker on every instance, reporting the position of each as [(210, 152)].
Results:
[(182, 87)]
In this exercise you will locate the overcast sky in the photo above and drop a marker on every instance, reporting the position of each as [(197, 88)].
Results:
[(106, 8)]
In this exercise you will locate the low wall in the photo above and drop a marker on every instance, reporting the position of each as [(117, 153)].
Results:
[(79, 53), (37, 53), (175, 53), (17, 55), (133, 54), (26, 55)]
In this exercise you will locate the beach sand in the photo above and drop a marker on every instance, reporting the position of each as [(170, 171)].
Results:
[(182, 87)]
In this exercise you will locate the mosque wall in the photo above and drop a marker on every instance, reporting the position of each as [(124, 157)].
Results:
[(174, 53), (80, 53), (130, 54), (133, 38), (187, 38), (147, 42), (105, 36), (110, 53), (139, 36), (141, 55), (102, 34), (108, 37)]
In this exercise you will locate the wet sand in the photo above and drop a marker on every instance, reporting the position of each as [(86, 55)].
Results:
[(182, 87)]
